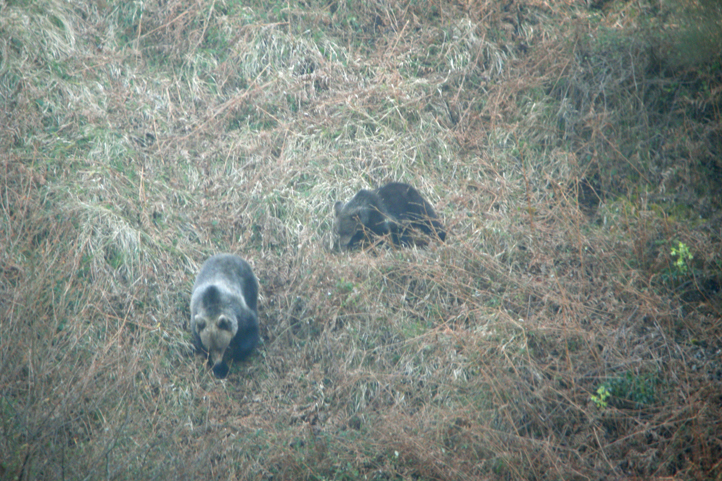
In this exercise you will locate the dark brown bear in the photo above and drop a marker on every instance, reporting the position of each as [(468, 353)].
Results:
[(224, 315), (396, 209)]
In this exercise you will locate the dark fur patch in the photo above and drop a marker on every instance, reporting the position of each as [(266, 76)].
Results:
[(396, 209), (211, 300)]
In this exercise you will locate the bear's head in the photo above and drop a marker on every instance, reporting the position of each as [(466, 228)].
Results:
[(216, 329), (348, 222), (359, 219)]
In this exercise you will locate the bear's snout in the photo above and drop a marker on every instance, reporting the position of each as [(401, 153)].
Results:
[(220, 370)]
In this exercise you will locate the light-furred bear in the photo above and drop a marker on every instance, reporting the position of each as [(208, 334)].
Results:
[(224, 315), (396, 209)]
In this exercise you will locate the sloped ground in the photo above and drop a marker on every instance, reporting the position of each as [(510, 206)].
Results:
[(569, 328)]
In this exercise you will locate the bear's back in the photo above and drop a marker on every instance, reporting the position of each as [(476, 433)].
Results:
[(403, 203), (231, 276)]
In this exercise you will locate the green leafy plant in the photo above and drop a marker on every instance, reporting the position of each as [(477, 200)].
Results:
[(601, 398), (628, 390), (639, 389), (683, 255)]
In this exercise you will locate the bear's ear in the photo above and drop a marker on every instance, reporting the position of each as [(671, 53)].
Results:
[(337, 208), (224, 323)]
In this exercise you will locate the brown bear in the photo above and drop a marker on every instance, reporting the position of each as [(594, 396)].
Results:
[(396, 209), (224, 316)]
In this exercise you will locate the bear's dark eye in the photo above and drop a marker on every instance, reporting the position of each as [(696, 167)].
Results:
[(224, 324), (200, 325)]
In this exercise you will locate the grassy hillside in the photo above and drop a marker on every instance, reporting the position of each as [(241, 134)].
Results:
[(569, 328)]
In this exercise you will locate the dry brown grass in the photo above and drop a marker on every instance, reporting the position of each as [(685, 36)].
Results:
[(567, 147)]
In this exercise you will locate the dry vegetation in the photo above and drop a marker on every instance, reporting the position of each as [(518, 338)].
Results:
[(568, 146)]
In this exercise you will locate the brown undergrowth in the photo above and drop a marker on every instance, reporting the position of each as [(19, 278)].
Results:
[(569, 328)]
